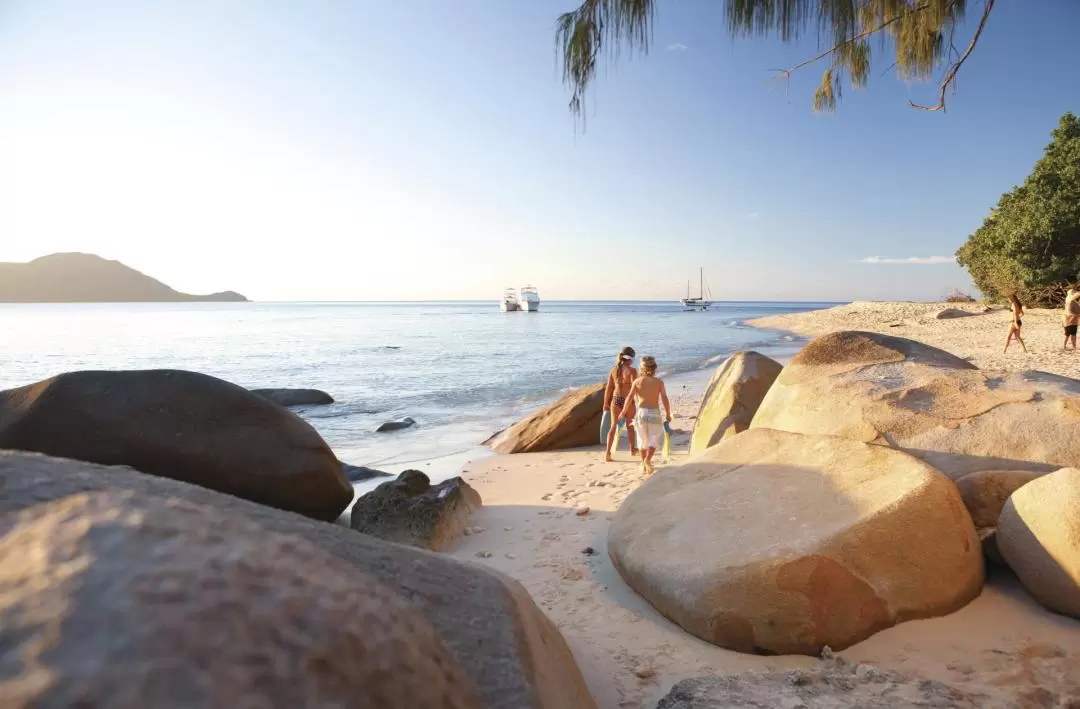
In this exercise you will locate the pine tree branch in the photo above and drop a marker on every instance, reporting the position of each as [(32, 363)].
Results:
[(950, 75)]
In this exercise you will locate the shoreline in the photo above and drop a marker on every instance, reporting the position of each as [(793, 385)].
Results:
[(529, 528), (449, 465)]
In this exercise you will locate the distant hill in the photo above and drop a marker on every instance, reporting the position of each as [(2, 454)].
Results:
[(85, 278)]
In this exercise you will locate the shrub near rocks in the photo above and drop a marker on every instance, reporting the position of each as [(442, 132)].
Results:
[(780, 543), (180, 425)]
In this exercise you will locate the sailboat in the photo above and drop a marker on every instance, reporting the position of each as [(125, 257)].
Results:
[(698, 303)]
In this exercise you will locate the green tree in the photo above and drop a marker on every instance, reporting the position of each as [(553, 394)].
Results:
[(1030, 242), (920, 33)]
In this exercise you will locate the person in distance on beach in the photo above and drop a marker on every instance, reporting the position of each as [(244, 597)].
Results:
[(1016, 324), (616, 395), (647, 392), (1072, 316)]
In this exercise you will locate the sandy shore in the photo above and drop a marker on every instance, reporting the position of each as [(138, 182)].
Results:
[(979, 338), (533, 527)]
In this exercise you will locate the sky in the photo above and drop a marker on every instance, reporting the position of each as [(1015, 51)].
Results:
[(422, 149)]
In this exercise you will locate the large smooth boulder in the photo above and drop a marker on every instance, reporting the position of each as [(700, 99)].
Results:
[(1039, 536), (180, 425), (835, 684), (507, 647), (295, 397), (116, 599), (985, 494), (781, 543), (410, 510), (734, 394), (571, 422), (903, 394)]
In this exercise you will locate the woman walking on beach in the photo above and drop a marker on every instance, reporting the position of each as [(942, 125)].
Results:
[(1016, 324), (1072, 317), (647, 392), (619, 381)]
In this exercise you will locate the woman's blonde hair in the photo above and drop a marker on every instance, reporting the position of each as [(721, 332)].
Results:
[(648, 365)]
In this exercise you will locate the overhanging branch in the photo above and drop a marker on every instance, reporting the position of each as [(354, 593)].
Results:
[(950, 75)]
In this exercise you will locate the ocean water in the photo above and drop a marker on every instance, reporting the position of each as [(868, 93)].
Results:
[(462, 371)]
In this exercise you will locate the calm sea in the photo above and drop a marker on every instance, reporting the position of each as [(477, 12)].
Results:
[(461, 370)]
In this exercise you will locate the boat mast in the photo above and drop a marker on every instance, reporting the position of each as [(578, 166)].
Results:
[(701, 281)]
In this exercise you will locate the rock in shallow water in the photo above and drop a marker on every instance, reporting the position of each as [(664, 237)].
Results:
[(180, 425), (410, 510), (782, 543), (395, 425), (295, 397), (358, 473), (511, 652)]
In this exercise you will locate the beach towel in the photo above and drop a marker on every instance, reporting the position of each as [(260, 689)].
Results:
[(605, 427), (667, 439)]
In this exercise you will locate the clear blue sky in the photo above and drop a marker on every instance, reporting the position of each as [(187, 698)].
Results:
[(347, 149)]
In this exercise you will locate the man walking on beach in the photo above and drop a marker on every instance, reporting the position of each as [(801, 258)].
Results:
[(1072, 317)]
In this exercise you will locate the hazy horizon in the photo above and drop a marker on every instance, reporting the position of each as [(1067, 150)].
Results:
[(364, 151)]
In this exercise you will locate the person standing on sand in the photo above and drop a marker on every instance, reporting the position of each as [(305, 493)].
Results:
[(1016, 324), (647, 392), (616, 393), (1072, 317)]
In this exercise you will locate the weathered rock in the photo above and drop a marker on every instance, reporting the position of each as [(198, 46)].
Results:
[(836, 684), (510, 651), (358, 473), (571, 422), (295, 397), (180, 425), (1039, 536), (952, 313), (410, 510), (395, 425), (734, 394), (773, 542), (130, 600), (903, 394), (984, 494)]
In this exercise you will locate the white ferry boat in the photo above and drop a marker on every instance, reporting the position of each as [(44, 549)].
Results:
[(530, 299)]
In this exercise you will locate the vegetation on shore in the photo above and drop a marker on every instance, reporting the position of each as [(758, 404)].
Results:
[(1030, 242)]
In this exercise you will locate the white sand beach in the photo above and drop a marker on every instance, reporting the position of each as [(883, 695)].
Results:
[(979, 338), (546, 515)]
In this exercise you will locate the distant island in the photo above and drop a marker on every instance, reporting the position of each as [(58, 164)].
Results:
[(86, 278)]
